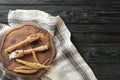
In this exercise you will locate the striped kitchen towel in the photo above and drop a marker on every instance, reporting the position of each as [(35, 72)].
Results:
[(68, 63)]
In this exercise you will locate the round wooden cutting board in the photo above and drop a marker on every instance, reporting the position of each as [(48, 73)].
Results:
[(19, 34)]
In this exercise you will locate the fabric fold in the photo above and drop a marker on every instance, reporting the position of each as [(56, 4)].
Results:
[(68, 63)]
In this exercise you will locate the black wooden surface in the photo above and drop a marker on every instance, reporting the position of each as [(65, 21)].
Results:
[(95, 28)]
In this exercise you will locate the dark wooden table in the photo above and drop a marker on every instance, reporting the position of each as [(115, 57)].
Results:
[(95, 28)]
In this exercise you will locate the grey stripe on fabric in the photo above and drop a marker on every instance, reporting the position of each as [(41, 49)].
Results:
[(65, 58), (4, 77), (74, 53), (70, 57), (10, 77)]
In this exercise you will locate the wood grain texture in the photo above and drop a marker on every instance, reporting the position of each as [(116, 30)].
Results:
[(106, 71), (73, 14), (107, 33), (59, 2), (100, 53), (95, 28)]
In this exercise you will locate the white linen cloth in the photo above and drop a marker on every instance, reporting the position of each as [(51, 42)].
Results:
[(68, 63)]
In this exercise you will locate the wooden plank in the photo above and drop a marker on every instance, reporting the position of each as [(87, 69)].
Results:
[(3, 17), (99, 53), (73, 14), (97, 29), (95, 33), (106, 71), (95, 38), (60, 2)]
